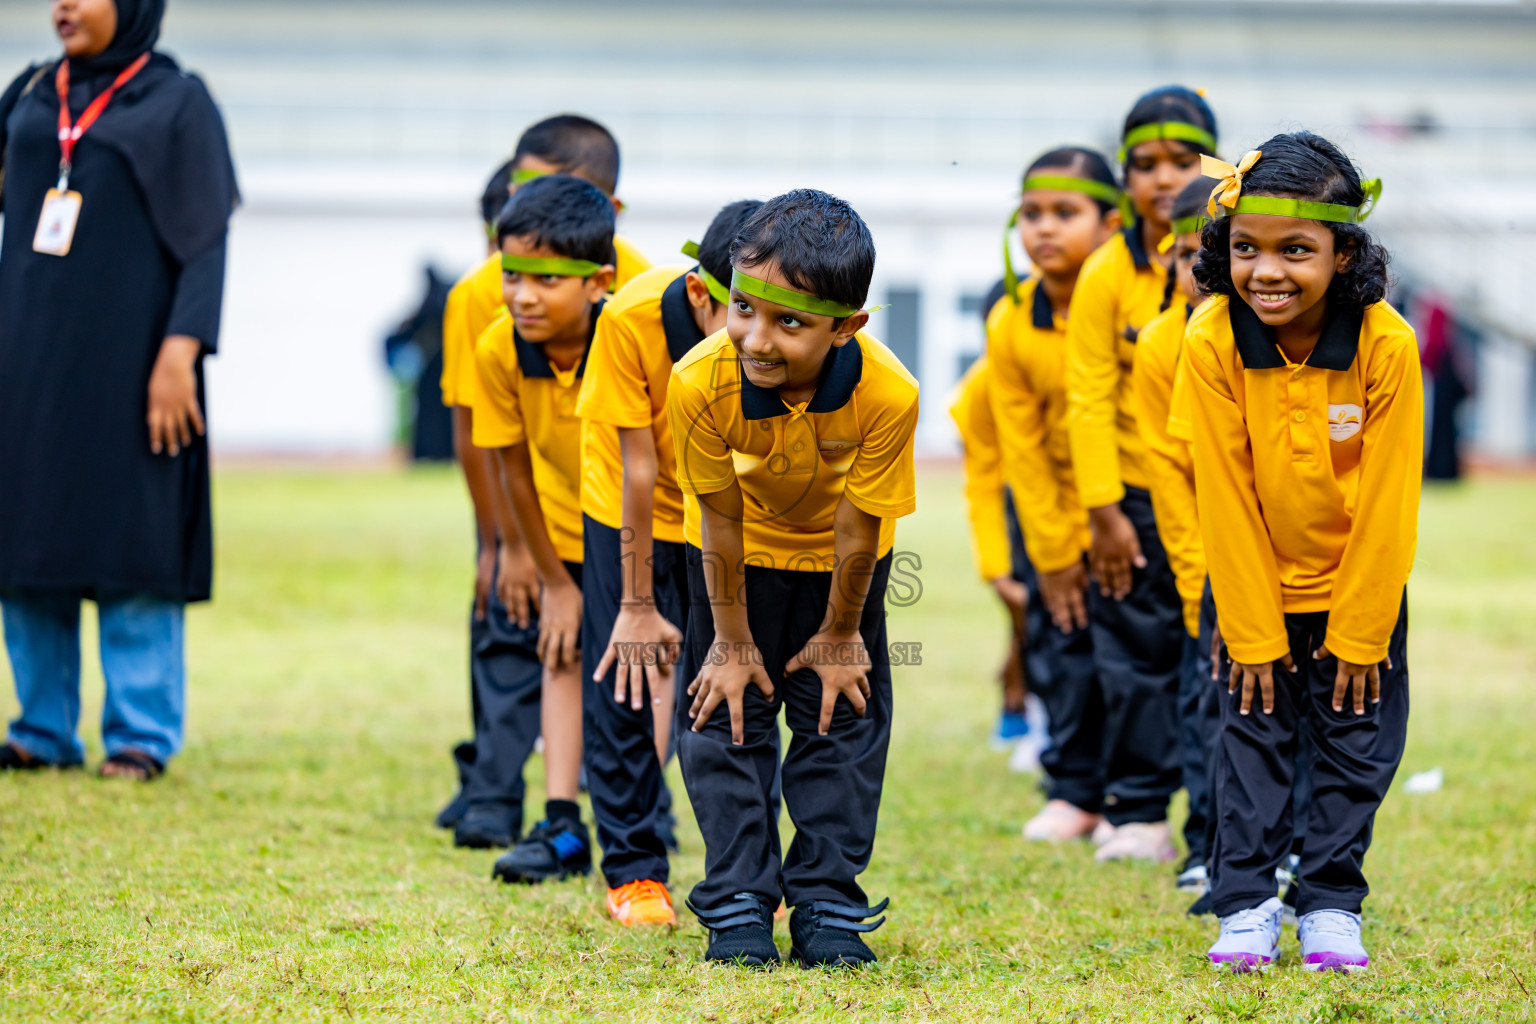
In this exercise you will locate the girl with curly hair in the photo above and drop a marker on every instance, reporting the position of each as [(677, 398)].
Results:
[(1308, 434)]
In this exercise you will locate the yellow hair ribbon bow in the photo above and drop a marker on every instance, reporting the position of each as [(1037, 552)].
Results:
[(1231, 178)]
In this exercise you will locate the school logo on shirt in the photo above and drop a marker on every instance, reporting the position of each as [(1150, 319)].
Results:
[(1343, 421)]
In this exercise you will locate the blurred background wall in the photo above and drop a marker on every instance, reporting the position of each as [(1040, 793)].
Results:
[(364, 131)]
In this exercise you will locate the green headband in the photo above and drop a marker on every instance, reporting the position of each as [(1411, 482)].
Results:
[(1087, 186), (1333, 213), (1189, 225), (523, 175), (1179, 131), (717, 291), (542, 266), (802, 301)]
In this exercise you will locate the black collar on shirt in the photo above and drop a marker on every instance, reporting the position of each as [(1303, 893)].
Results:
[(840, 374), (1040, 312), (1255, 340), (1138, 251), (677, 321), (534, 363)]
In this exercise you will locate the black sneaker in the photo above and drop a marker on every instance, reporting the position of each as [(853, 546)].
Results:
[(453, 812), (553, 851), (488, 826), (740, 931), (825, 933)]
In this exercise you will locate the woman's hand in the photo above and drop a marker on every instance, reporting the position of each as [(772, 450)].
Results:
[(1062, 593), (173, 412), (1358, 678), (1116, 550), (1264, 675)]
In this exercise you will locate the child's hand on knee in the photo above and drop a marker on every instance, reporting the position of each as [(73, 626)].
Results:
[(725, 679), (1262, 674), (841, 661), (1353, 677)]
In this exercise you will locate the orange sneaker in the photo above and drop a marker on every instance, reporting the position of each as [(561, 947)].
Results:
[(641, 902)]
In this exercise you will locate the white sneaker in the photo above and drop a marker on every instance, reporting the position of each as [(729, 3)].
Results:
[(1139, 840), (1330, 941), (1249, 940), (1060, 822), (1103, 832), (1025, 758), (1194, 880)]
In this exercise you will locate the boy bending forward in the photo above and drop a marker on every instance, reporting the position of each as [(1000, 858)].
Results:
[(793, 433)]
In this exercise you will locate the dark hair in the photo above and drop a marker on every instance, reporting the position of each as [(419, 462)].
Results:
[(574, 144), (819, 243), (1301, 165), (1192, 201), (497, 190), (715, 249), (566, 214), (1171, 103), (1082, 163)]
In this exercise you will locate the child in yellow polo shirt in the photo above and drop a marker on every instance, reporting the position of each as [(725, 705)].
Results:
[(635, 578), (556, 239), (1309, 431), (794, 435), (1068, 208), (1171, 473), (997, 544), (1134, 605)]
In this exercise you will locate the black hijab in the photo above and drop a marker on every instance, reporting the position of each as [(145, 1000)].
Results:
[(162, 122)]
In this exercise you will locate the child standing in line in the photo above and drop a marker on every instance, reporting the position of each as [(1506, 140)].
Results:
[(505, 671), (556, 238), (1138, 639), (635, 581), (1069, 208), (994, 525), (1171, 474), (794, 436), (1309, 430)]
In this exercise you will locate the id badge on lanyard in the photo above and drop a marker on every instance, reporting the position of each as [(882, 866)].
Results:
[(61, 206)]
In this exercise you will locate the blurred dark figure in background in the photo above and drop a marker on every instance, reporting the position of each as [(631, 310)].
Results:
[(414, 352), (118, 187), (1445, 359)]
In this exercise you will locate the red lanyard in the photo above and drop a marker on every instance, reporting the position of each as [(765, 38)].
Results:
[(69, 134)]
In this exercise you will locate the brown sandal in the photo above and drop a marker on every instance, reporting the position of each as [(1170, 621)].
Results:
[(131, 764)]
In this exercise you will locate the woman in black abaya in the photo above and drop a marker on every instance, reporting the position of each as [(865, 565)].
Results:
[(103, 328)]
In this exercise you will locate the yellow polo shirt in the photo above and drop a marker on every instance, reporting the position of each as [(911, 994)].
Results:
[(795, 463), (520, 396), (1170, 465), (477, 299), (984, 497), (1307, 477), (643, 331), (1118, 291), (1027, 351)]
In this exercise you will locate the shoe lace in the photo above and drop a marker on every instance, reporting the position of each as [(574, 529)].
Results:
[(1333, 922), (646, 890), (1254, 919)]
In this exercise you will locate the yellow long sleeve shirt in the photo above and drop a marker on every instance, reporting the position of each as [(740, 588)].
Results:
[(1118, 291), (1170, 464), (1306, 476), (984, 496), (1027, 353)]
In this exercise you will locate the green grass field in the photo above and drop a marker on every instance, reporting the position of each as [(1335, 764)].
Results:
[(287, 868)]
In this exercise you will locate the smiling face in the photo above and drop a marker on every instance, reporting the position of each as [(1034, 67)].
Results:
[(548, 308), (1282, 267), (1155, 173), (781, 347), (85, 27), (1060, 229)]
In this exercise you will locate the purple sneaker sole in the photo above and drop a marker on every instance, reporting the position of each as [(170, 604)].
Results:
[(1240, 963), (1335, 962)]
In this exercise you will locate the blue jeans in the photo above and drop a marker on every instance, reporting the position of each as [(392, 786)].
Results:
[(142, 658)]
